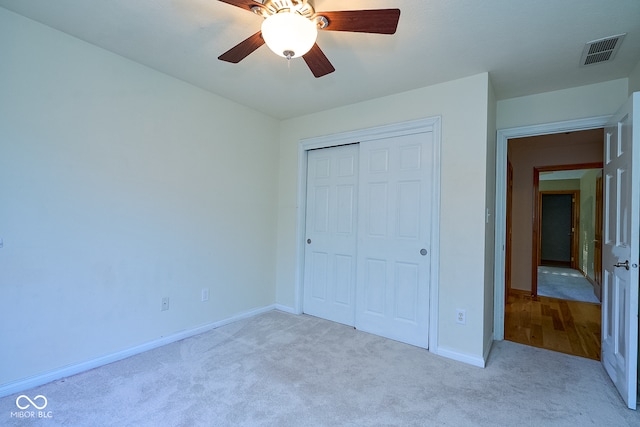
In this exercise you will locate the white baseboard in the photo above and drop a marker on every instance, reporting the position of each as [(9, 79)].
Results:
[(462, 357), (286, 309), (67, 371)]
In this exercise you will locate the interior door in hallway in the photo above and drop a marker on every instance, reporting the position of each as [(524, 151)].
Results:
[(330, 249), (395, 189), (620, 252)]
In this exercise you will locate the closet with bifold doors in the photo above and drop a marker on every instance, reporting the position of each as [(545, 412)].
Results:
[(369, 217)]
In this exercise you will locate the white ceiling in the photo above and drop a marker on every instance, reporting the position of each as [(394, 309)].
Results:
[(526, 46)]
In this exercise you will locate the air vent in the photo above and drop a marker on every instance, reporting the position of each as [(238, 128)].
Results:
[(601, 50)]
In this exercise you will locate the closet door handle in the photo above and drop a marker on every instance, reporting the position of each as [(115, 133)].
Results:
[(423, 252)]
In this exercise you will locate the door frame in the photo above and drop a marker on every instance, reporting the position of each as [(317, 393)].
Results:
[(508, 230), (432, 124), (502, 140), (597, 249)]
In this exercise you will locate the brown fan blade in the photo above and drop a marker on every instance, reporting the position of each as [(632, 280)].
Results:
[(379, 21), (243, 49), (243, 4), (318, 62)]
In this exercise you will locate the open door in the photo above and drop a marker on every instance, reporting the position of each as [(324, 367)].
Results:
[(508, 240), (620, 252)]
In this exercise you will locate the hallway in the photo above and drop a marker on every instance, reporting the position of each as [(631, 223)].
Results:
[(571, 327), (565, 283)]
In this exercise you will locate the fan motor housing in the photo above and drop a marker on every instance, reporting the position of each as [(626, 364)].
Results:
[(303, 7)]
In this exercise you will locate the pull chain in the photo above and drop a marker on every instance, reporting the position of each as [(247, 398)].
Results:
[(288, 54)]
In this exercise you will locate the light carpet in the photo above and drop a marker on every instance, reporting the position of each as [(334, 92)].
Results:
[(565, 283), (278, 369)]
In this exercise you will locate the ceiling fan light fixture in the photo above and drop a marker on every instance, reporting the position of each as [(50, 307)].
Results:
[(289, 34)]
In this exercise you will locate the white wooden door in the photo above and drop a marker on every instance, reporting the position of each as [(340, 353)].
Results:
[(392, 292), (330, 239), (620, 250)]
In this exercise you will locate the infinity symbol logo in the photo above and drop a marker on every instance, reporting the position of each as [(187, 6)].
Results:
[(22, 397)]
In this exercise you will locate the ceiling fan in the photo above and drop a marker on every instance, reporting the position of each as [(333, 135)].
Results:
[(290, 28)]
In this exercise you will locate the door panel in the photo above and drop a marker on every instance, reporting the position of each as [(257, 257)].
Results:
[(319, 268), (395, 205), (407, 288), (330, 251), (345, 266), (378, 215), (620, 251), (374, 293)]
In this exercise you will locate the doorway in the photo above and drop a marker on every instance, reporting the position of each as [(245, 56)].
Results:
[(504, 136), (533, 160), (619, 138)]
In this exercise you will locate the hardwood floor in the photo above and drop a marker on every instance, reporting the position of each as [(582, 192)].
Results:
[(571, 327)]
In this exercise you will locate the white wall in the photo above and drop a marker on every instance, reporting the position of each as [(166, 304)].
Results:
[(588, 222), (490, 227), (118, 186), (634, 80), (576, 103), (463, 105)]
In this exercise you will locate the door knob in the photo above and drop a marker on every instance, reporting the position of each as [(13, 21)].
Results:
[(423, 252), (622, 264), (308, 241)]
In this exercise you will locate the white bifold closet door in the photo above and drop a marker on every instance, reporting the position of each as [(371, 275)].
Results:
[(392, 291), (368, 222), (330, 249)]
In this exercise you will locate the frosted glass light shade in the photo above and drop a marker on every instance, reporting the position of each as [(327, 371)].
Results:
[(289, 35)]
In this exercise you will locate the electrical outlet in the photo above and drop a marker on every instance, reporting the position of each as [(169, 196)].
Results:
[(205, 294), (461, 317), (165, 304)]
